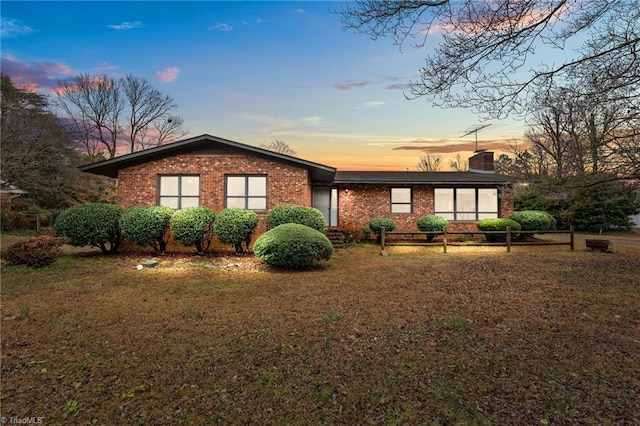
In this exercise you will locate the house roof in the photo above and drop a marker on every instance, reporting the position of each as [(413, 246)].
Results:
[(416, 178), (319, 172), (7, 188)]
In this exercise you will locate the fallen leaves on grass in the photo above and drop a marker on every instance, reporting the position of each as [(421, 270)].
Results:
[(475, 336)]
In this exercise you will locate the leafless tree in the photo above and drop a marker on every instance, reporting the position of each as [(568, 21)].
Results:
[(147, 109), (459, 164), (161, 131), (430, 163), (279, 147), (585, 134), (485, 58), (527, 165), (103, 114), (93, 105)]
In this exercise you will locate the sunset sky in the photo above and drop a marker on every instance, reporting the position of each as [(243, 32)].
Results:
[(252, 72)]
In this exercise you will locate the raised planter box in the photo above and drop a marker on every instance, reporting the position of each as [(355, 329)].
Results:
[(600, 245)]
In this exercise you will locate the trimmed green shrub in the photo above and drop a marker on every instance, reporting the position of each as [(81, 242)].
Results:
[(292, 213), (94, 224), (147, 226), (534, 220), (35, 252), (193, 226), (432, 223), (235, 226), (498, 224), (377, 223), (293, 246)]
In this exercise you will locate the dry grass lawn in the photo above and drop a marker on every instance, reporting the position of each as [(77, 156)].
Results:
[(474, 336)]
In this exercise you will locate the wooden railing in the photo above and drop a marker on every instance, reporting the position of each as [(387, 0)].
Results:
[(408, 238)]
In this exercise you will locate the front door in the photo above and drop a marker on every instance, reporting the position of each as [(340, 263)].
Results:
[(326, 200)]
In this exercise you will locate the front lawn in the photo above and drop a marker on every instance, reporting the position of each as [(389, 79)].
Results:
[(474, 336)]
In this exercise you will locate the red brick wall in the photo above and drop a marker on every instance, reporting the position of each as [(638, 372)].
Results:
[(137, 185), (360, 203)]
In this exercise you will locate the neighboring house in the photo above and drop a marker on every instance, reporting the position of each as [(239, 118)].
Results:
[(10, 193), (216, 173)]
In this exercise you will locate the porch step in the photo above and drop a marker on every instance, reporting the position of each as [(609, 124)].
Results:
[(336, 238)]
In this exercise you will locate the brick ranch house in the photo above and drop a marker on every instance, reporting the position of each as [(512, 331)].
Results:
[(216, 173)]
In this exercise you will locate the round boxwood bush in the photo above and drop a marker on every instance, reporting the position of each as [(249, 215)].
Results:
[(432, 223), (193, 226), (534, 220), (292, 213), (293, 246), (147, 226), (377, 223), (235, 226), (498, 224), (93, 224)]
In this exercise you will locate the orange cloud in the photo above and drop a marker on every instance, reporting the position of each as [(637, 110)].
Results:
[(451, 147), (168, 74)]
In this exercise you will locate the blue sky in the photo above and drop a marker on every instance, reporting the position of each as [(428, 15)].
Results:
[(252, 72)]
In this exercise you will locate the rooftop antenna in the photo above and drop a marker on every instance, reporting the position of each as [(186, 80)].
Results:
[(475, 130)]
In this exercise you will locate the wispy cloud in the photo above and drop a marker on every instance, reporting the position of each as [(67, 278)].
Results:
[(299, 11), (350, 86), (13, 28), (401, 86), (313, 120), (37, 75), (221, 26), (126, 25), (104, 67), (449, 146), (168, 74), (370, 104)]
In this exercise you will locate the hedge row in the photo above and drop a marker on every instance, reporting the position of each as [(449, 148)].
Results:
[(529, 220), (106, 225)]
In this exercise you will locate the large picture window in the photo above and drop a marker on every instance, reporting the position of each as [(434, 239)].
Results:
[(400, 200), (179, 191), (466, 203), (246, 192)]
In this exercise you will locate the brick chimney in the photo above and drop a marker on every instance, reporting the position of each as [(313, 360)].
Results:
[(481, 161)]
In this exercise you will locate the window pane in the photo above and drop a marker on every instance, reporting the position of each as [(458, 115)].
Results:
[(466, 200), (235, 202), (257, 203), (190, 185), (466, 216), (258, 186), (487, 216), (443, 200), (488, 200), (171, 202), (400, 195), (401, 208), (235, 186), (189, 202), (448, 216), (169, 185)]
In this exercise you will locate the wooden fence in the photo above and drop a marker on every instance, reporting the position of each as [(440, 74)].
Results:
[(409, 238)]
